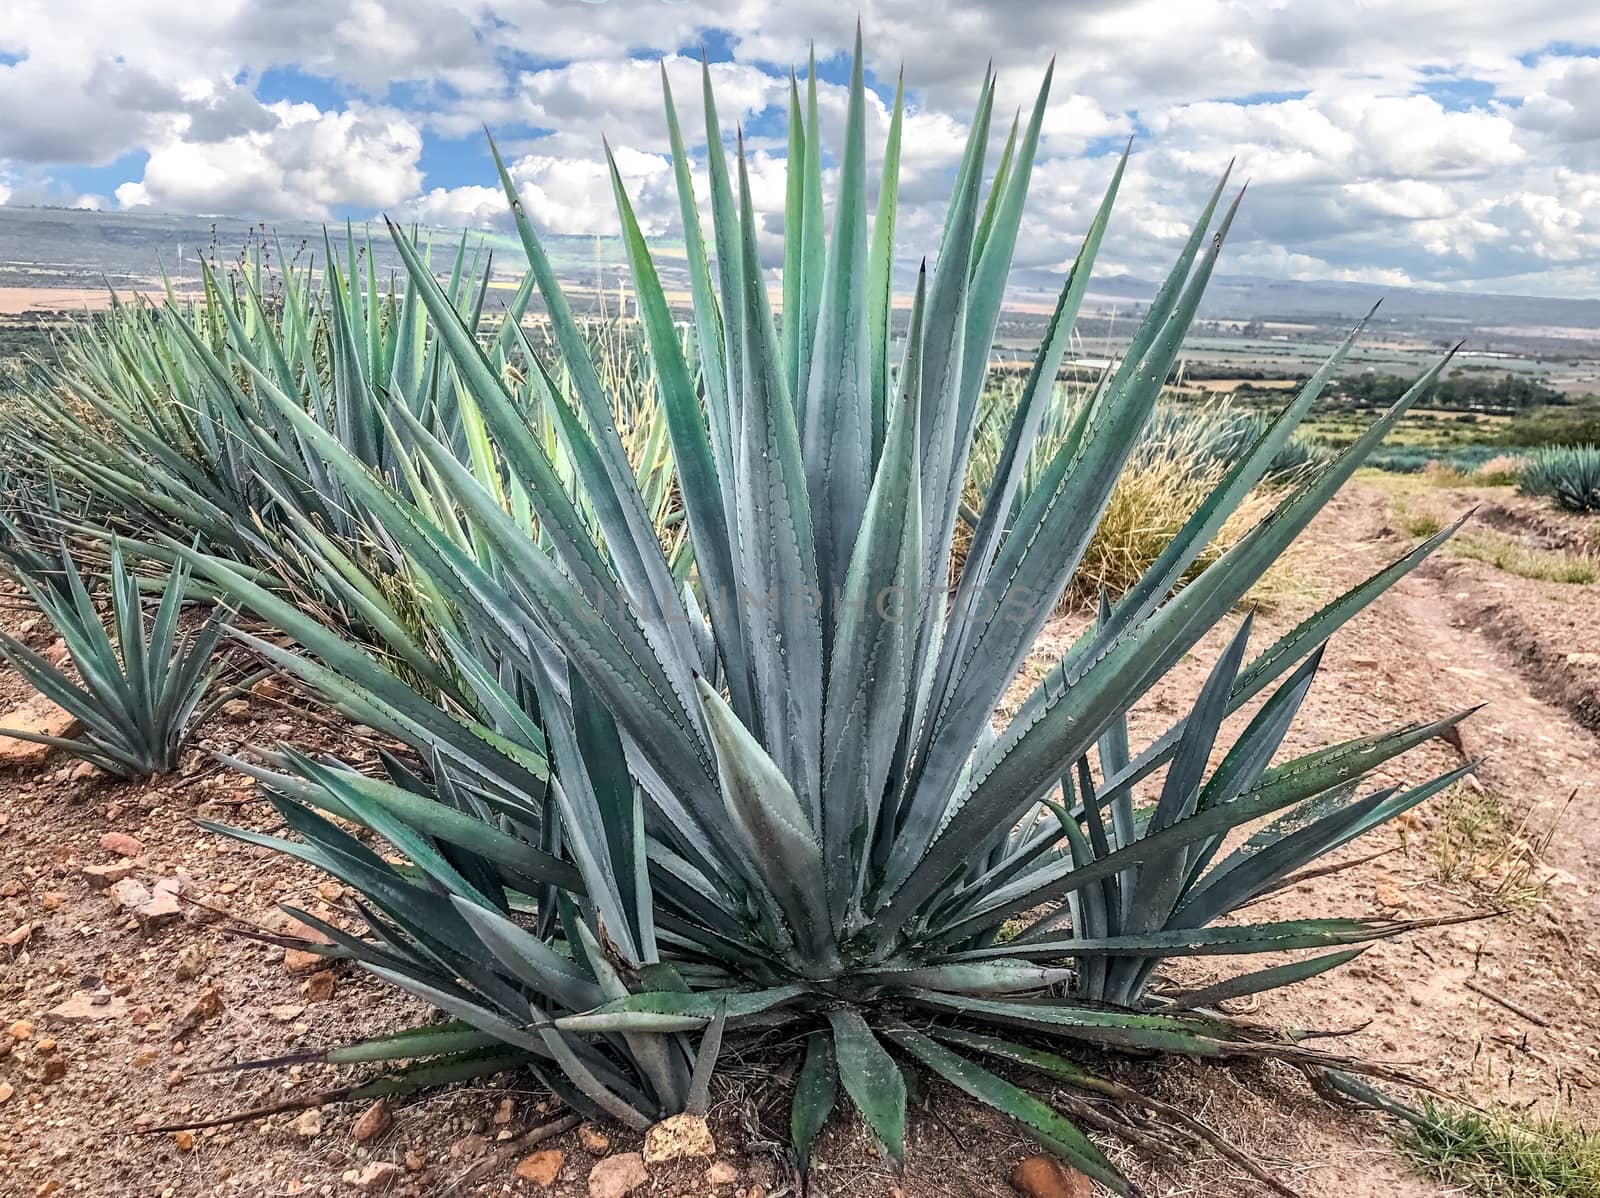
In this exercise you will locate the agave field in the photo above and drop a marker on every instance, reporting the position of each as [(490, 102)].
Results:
[(753, 706)]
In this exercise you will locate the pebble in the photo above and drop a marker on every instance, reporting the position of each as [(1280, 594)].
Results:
[(542, 1168), (677, 1137), (122, 844), (84, 1007), (594, 1140), (1046, 1177), (721, 1173), (373, 1122), (617, 1175), (106, 875), (376, 1177), (307, 1124)]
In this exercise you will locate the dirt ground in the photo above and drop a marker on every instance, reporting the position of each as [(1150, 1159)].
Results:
[(185, 995)]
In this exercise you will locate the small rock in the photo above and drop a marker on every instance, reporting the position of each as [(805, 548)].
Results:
[(617, 1175), (330, 892), (39, 716), (55, 1068), (84, 1008), (1583, 659), (6, 1091), (320, 986), (101, 876), (20, 1030), (374, 1121), (542, 1168), (18, 936), (10, 888), (677, 1137), (721, 1173), (162, 908), (236, 709), (131, 894), (468, 1147), (504, 1112), (184, 1140), (122, 844), (83, 771), (1046, 1177), (56, 652), (51, 900), (191, 963), (287, 1014), (46, 1045), (1387, 894), (378, 1177), (268, 688), (299, 960), (207, 1006), (308, 1123), (594, 1140), (414, 1160)]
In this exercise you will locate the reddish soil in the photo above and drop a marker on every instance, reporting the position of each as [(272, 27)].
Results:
[(1454, 634)]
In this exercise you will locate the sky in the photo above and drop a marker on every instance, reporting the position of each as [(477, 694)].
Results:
[(1404, 142)]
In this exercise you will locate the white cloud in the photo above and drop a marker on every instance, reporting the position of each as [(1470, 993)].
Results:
[(308, 162), (1434, 140)]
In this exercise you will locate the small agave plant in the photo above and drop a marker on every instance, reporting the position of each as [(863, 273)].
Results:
[(1568, 474), (658, 816), (139, 687)]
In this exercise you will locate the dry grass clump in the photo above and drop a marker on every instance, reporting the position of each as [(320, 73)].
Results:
[(1501, 471), (1475, 841), (1147, 508)]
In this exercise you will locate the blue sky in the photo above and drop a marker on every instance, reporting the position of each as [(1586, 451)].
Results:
[(1427, 142)]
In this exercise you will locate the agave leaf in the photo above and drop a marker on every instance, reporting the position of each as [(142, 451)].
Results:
[(871, 669), (775, 833), (529, 959), (837, 429), (675, 1011), (880, 272), (816, 1090), (701, 479), (1037, 1119), (1260, 980), (871, 1078), (1291, 783), (698, 1097)]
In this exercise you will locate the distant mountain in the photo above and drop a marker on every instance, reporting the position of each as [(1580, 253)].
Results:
[(44, 247), (1246, 297)]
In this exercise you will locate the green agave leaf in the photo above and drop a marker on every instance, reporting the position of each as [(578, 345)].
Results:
[(837, 430), (871, 1078), (781, 851), (675, 1011), (1261, 980), (816, 1090), (1277, 936), (780, 593), (1037, 1119)]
